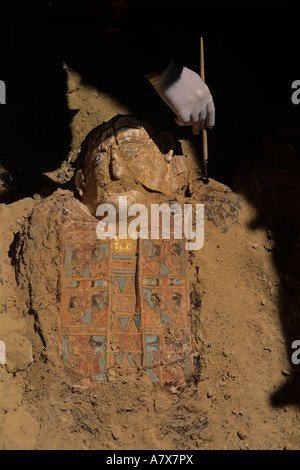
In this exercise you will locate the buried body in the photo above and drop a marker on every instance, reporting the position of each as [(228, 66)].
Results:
[(123, 302)]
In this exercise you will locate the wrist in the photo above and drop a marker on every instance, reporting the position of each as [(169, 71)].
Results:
[(160, 78), (152, 75)]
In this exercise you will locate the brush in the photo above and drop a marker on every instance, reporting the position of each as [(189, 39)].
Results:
[(204, 133)]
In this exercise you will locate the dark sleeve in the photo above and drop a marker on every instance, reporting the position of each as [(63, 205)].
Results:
[(144, 34), (138, 28)]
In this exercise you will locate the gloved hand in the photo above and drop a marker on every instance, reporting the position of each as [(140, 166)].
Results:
[(187, 95)]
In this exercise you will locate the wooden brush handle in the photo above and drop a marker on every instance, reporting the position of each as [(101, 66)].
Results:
[(202, 74)]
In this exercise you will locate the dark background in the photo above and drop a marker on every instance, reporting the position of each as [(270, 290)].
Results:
[(251, 59)]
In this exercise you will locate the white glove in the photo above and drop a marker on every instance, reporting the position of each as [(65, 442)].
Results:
[(187, 95)]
